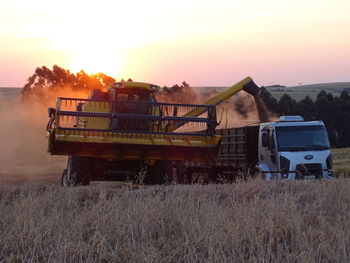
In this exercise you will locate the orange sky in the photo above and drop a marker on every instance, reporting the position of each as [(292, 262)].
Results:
[(165, 42)]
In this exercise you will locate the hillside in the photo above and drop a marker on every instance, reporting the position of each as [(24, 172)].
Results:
[(10, 93), (296, 92), (299, 92)]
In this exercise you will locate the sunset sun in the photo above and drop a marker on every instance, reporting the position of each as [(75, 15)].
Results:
[(94, 61)]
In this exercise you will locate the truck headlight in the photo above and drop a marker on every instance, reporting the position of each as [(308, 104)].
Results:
[(330, 173), (284, 164)]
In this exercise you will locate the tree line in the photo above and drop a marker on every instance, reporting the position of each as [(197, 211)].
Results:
[(46, 83), (334, 111)]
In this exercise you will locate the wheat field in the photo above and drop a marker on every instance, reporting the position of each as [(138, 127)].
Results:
[(341, 161), (257, 221)]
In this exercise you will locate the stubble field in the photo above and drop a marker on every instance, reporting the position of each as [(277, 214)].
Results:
[(304, 221)]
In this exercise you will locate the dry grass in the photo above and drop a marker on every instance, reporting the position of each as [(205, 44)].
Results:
[(341, 161), (302, 221)]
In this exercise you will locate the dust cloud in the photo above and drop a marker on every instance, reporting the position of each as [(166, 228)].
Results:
[(241, 109), (23, 143)]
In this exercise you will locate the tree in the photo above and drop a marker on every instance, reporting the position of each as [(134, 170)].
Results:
[(287, 105), (306, 108), (344, 96), (45, 84), (179, 94)]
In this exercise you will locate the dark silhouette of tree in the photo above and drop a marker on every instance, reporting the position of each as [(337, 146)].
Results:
[(179, 94), (344, 96), (306, 108), (287, 105), (333, 111), (45, 83)]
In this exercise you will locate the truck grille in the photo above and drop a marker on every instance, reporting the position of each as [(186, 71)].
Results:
[(309, 169)]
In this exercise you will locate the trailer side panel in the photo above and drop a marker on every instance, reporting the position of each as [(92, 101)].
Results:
[(239, 147)]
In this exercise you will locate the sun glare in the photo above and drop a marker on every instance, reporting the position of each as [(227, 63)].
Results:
[(94, 61)]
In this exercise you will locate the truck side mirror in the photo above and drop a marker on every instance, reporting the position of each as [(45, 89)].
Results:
[(271, 141), (334, 138), (265, 139)]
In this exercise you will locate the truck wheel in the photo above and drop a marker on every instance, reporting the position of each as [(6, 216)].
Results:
[(258, 174), (76, 172)]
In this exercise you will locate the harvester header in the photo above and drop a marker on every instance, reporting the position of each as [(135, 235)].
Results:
[(132, 130)]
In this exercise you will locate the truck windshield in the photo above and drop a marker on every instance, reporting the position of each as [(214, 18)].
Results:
[(302, 138)]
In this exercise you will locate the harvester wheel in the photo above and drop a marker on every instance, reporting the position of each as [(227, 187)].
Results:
[(180, 172), (68, 180), (75, 174), (64, 178)]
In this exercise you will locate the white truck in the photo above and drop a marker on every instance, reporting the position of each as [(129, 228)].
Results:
[(292, 148)]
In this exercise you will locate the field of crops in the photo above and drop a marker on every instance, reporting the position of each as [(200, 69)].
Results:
[(302, 221), (341, 161), (256, 221)]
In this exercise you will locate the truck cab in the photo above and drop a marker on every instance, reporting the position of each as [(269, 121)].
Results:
[(292, 148)]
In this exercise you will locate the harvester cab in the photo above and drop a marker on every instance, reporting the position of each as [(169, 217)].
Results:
[(132, 98), (133, 91), (120, 98)]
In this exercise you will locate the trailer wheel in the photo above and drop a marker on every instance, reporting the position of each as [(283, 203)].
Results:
[(197, 176), (180, 172), (140, 174), (159, 173), (76, 172)]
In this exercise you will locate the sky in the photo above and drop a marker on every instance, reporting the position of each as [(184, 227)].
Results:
[(206, 43)]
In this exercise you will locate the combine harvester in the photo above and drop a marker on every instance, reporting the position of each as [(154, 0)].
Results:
[(124, 134)]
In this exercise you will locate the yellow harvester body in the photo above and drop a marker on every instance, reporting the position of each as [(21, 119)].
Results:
[(126, 123)]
